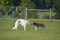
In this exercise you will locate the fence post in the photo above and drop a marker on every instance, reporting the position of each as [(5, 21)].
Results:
[(50, 14), (26, 13)]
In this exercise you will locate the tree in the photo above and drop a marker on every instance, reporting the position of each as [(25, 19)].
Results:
[(57, 8), (29, 4), (40, 4), (6, 2), (7, 5), (49, 3)]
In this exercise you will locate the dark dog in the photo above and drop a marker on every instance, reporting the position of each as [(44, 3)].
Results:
[(39, 25)]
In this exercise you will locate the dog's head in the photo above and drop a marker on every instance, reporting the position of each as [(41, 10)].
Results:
[(32, 23)]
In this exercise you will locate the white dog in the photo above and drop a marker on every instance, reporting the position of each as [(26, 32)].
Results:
[(22, 22)]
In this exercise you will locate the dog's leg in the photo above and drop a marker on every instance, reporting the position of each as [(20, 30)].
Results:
[(35, 28), (16, 25), (43, 27), (24, 25), (25, 28)]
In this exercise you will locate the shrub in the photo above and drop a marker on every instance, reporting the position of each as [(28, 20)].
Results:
[(46, 17)]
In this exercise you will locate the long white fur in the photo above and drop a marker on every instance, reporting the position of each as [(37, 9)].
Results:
[(22, 22)]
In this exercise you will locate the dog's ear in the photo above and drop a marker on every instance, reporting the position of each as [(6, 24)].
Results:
[(18, 21)]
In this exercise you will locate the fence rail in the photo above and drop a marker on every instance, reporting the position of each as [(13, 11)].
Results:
[(23, 12)]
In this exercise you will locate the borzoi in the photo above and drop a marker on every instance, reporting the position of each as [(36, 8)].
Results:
[(22, 22), (36, 25)]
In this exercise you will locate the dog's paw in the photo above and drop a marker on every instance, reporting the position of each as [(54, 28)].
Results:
[(14, 28)]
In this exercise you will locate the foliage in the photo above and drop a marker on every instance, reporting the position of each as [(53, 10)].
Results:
[(29, 4), (45, 17), (49, 3), (15, 15), (1, 14), (32, 14), (57, 9), (6, 2), (40, 4), (43, 4)]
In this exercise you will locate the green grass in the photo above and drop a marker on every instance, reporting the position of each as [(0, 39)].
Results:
[(52, 32)]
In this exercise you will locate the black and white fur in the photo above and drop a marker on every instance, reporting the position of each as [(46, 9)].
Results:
[(36, 25)]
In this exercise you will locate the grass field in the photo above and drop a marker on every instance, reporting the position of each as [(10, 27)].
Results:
[(52, 32)]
